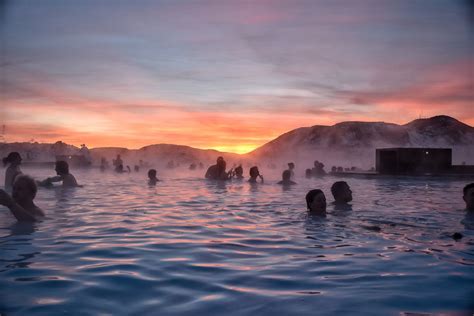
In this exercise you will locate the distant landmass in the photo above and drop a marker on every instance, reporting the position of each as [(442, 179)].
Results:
[(343, 144), (354, 143)]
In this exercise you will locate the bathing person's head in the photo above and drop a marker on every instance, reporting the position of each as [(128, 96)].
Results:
[(220, 159), (239, 171), (341, 191), (316, 201), (253, 172), (286, 175), (12, 158), (291, 166), (24, 189), (308, 173), (62, 167), (316, 163), (152, 174), (468, 196)]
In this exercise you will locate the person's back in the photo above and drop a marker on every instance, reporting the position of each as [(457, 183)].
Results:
[(212, 173), (69, 180), (286, 178), (13, 160)]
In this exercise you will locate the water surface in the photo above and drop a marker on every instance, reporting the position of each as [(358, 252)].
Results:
[(189, 247)]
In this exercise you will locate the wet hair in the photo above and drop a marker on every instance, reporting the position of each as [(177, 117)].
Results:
[(62, 167), (30, 182), (311, 195), (14, 155), (286, 175), (337, 187), (253, 172), (151, 173), (239, 170), (467, 188), (291, 165)]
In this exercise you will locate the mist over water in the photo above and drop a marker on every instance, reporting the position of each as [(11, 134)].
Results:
[(189, 247)]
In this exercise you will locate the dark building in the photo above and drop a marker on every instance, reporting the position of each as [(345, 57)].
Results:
[(413, 160)]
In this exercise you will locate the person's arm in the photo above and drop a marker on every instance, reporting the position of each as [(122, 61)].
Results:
[(55, 179), (19, 212), (49, 181)]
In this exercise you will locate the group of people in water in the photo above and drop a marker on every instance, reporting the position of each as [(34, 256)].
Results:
[(24, 188)]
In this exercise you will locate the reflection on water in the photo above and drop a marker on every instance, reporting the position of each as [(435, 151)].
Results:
[(190, 246), (17, 241)]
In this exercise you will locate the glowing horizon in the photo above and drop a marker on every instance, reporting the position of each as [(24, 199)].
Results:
[(228, 76)]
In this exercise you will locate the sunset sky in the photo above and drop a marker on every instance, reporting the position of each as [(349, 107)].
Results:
[(228, 75)]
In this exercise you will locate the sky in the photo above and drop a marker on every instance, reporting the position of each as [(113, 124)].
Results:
[(227, 75)]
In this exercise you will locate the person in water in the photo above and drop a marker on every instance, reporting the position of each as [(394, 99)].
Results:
[(239, 172), (468, 197), (217, 171), (291, 167), (21, 202), (117, 161), (254, 174), (286, 178), (318, 169), (316, 201), (103, 164), (308, 173), (341, 192), (63, 175), (13, 160), (152, 179)]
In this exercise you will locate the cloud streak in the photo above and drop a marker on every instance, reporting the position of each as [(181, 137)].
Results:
[(227, 75)]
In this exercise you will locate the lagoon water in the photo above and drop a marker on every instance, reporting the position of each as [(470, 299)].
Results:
[(190, 247)]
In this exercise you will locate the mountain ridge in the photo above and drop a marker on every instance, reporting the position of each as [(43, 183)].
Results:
[(335, 143)]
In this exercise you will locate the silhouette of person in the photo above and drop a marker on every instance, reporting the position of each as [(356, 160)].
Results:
[(254, 174), (63, 175), (152, 179), (103, 164), (217, 171), (239, 172), (316, 202), (308, 174), (86, 154), (468, 197), (291, 167), (118, 164), (286, 178), (341, 192), (21, 202), (119, 169), (13, 160), (318, 169)]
